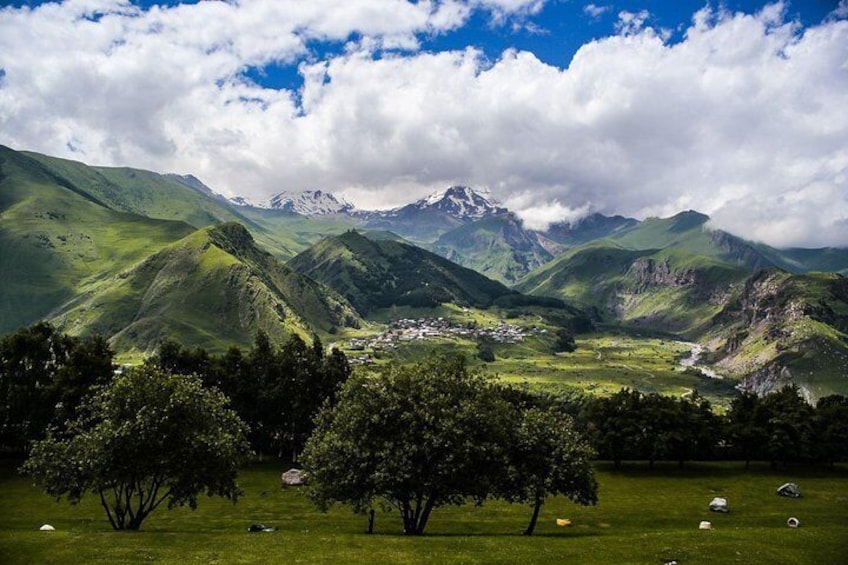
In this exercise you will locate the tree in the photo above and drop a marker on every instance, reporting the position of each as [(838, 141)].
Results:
[(172, 357), (831, 428), (146, 439), (747, 426), (615, 424), (485, 352), (417, 438), (790, 426), (277, 391), (44, 375), (564, 341), (547, 457)]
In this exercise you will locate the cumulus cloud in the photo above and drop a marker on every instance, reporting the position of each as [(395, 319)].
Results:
[(742, 119)]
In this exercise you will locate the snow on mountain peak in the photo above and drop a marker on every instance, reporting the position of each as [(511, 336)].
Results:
[(462, 202), (306, 203)]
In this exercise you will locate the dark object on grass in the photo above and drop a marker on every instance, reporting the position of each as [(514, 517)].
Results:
[(260, 528), (719, 505), (790, 490)]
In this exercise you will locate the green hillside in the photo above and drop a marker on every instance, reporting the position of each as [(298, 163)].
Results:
[(214, 288), (57, 241), (590, 228), (158, 196), (140, 192), (665, 289), (498, 247), (687, 231), (375, 274), (294, 233), (798, 260), (782, 328)]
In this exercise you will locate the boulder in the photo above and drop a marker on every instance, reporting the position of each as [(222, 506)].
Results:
[(790, 490), (719, 505), (47, 528), (293, 478)]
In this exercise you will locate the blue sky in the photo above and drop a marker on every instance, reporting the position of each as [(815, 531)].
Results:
[(553, 34), (559, 108)]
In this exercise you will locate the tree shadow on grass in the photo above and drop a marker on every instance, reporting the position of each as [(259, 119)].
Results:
[(727, 469), (497, 535)]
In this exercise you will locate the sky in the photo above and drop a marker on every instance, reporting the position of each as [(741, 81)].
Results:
[(559, 108)]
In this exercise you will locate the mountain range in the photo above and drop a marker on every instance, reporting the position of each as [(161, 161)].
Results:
[(140, 256)]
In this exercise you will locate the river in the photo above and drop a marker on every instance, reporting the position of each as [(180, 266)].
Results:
[(696, 349)]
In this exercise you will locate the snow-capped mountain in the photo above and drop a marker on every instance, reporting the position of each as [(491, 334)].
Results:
[(306, 203), (440, 212), (461, 202), (242, 201)]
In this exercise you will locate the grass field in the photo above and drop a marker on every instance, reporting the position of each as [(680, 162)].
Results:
[(644, 516), (603, 362)]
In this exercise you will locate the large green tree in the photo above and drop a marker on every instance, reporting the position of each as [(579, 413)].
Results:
[(146, 439), (416, 438), (546, 457)]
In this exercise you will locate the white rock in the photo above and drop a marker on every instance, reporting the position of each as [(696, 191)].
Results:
[(47, 528)]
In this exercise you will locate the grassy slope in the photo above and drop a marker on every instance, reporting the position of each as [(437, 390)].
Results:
[(373, 274), (158, 196), (779, 320), (827, 259), (497, 247), (56, 242), (643, 517), (605, 275), (296, 233), (212, 289)]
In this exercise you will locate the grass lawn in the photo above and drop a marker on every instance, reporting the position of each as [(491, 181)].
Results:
[(644, 516)]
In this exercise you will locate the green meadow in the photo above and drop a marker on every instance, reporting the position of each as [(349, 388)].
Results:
[(603, 362), (644, 516)]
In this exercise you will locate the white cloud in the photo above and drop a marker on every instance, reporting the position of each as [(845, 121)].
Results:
[(841, 11), (595, 11), (502, 9), (744, 119), (540, 217), (630, 23)]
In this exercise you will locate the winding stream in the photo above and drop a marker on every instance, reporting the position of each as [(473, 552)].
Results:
[(695, 352)]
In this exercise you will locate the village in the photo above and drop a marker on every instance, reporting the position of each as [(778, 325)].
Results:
[(408, 330)]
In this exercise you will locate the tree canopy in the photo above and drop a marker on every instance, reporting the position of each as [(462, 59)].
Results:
[(277, 391), (433, 434), (148, 438), (44, 376), (547, 456)]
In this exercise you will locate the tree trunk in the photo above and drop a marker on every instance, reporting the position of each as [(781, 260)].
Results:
[(531, 527), (408, 516), (370, 529), (428, 508)]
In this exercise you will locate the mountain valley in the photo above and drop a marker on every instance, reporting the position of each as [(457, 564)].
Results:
[(140, 256)]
